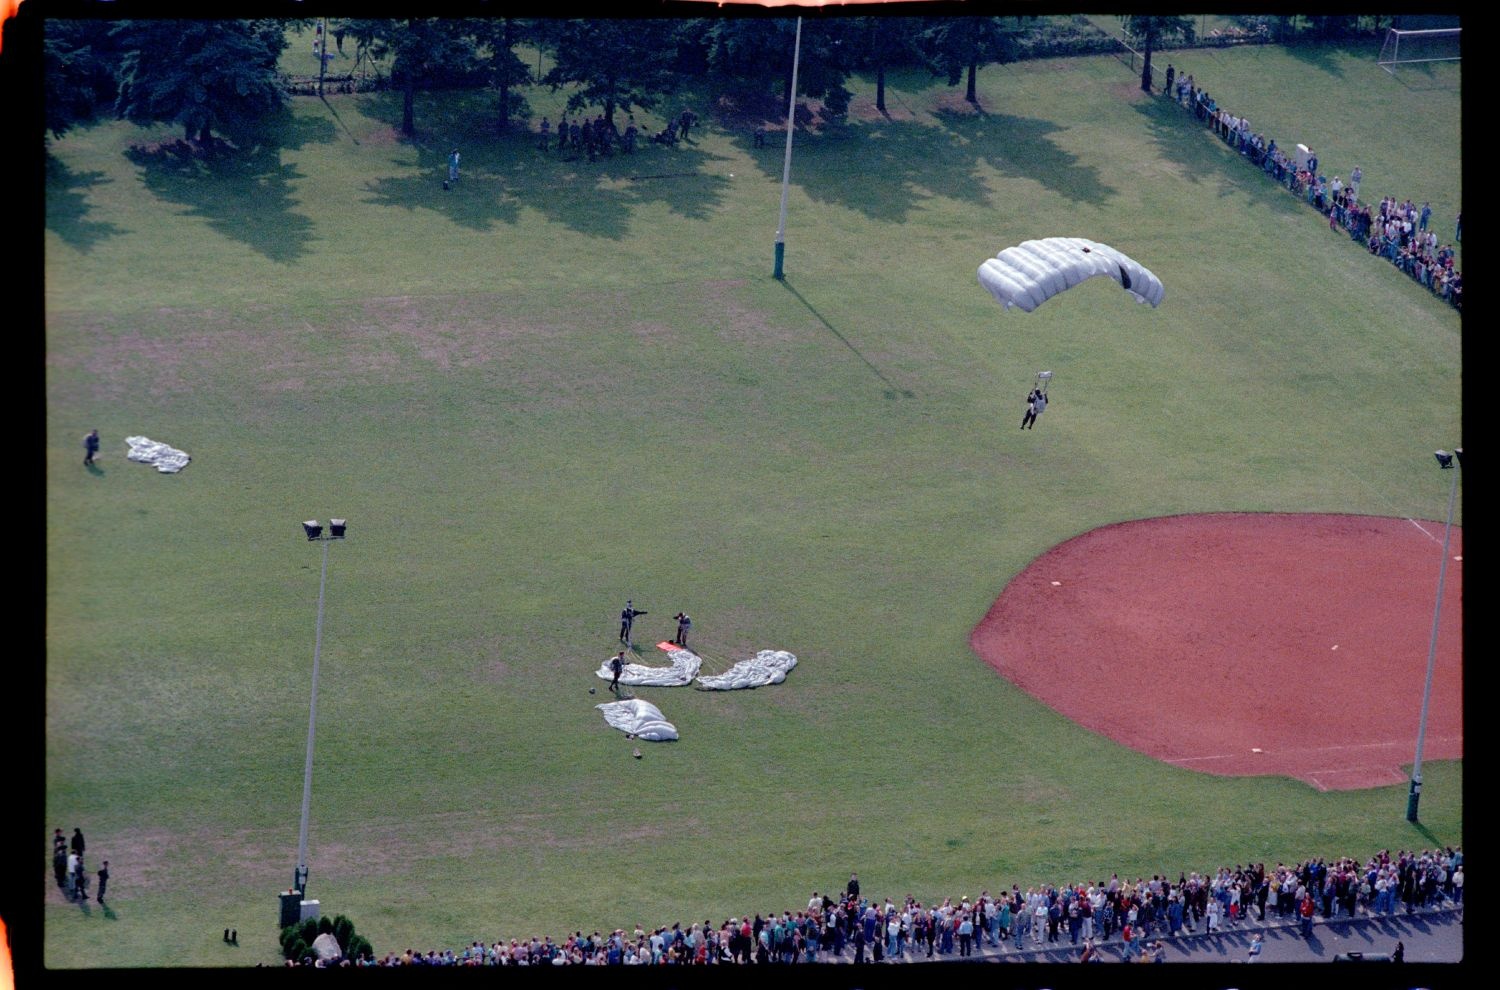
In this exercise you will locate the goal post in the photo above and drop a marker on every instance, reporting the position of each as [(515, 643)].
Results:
[(1410, 47)]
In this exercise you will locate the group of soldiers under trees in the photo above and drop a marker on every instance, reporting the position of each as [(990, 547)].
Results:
[(596, 138)]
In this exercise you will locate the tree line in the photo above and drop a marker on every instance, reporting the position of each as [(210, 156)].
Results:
[(222, 78)]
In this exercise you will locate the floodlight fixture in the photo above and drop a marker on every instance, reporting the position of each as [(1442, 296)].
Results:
[(313, 529), (1458, 452), (1444, 459), (336, 528)]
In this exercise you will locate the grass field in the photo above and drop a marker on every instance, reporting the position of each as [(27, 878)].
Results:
[(562, 384)]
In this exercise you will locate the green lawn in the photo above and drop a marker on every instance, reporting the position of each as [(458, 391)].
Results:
[(562, 384)]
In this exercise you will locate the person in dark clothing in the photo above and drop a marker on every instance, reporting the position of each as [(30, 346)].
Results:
[(627, 619), (616, 666), (103, 879), (1031, 410), (683, 625), (77, 843), (60, 864), (90, 447), (1399, 953), (80, 881), (1171, 76), (852, 891)]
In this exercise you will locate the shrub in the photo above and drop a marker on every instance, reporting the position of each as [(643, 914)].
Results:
[(342, 929)]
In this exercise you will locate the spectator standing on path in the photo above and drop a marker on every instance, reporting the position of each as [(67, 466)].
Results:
[(1171, 75), (1398, 954), (90, 448), (103, 879)]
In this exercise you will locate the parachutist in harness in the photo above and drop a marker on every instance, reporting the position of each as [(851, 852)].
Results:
[(616, 666), (1036, 399)]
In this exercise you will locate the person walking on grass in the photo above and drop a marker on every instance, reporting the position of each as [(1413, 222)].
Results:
[(616, 667), (103, 880), (90, 447)]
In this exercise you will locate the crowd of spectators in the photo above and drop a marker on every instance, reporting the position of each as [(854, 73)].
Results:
[(1401, 232), (853, 927)]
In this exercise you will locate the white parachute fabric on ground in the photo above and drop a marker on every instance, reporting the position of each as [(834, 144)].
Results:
[(685, 665), (167, 460), (1032, 272), (638, 718), (766, 667)]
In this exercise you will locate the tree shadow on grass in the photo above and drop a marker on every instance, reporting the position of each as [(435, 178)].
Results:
[(502, 172), (245, 193), (886, 168), (67, 208), (1200, 153), (1327, 56), (598, 198)]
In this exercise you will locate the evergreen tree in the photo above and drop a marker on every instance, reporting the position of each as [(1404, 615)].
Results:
[(957, 47), (425, 52), (203, 76), (615, 64), (1151, 32), (497, 41), (80, 63)]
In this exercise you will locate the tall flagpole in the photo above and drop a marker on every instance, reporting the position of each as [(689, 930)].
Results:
[(786, 168)]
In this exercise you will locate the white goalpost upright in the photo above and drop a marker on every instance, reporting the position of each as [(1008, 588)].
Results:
[(1409, 47)]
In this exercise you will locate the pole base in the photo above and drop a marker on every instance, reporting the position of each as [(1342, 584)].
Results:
[(780, 257), (1413, 798)]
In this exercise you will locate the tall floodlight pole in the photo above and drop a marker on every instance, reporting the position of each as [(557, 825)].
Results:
[(314, 532), (322, 52), (1414, 797), (786, 168)]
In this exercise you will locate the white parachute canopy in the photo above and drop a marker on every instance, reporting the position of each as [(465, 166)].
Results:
[(685, 665), (638, 718), (1032, 272), (766, 667)]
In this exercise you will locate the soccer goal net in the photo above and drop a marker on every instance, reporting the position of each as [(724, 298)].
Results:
[(1406, 47)]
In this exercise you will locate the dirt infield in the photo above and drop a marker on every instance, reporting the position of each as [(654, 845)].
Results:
[(1244, 644)]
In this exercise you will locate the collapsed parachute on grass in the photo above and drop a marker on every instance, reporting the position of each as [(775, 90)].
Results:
[(766, 667), (1032, 272), (684, 668), (638, 718)]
